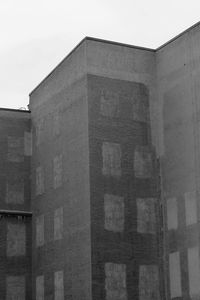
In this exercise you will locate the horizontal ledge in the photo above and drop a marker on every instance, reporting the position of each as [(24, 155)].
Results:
[(15, 212)]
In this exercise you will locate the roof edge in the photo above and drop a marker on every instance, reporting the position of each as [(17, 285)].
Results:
[(178, 35), (14, 110), (79, 44)]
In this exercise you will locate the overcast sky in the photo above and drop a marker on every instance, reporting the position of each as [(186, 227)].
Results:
[(37, 34)]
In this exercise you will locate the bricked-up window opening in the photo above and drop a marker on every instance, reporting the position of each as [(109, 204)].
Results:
[(40, 231), (40, 287), (115, 282), (39, 131), (149, 282), (111, 153), (143, 167), (15, 190), (57, 171), (39, 180), (15, 149), (58, 285), (172, 213), (58, 223), (194, 272), (114, 213), (15, 288), (16, 239), (175, 275), (140, 109), (56, 123), (146, 215), (190, 208), (109, 104)]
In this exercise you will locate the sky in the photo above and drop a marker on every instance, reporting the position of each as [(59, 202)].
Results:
[(37, 34)]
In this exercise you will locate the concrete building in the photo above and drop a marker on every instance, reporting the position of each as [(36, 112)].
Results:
[(100, 180)]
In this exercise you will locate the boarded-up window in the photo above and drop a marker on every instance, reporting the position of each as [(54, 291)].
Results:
[(175, 275), (58, 285), (39, 131), (40, 287), (194, 272), (146, 215), (111, 159), (172, 214), (15, 149), (39, 180), (40, 231), (15, 288), (16, 239), (143, 162), (58, 223), (115, 283), (149, 283), (114, 213), (56, 123), (190, 208), (15, 190), (109, 104), (57, 167), (27, 143)]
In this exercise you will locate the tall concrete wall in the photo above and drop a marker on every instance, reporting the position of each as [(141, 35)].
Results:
[(177, 132), (123, 173), (60, 187), (15, 232)]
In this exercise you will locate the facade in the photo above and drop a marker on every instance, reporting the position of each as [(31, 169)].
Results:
[(100, 179)]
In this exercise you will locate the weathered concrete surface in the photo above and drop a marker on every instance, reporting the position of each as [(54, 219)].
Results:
[(178, 145)]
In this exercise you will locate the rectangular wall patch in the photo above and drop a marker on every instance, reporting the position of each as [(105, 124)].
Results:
[(40, 287), (194, 272), (175, 275), (114, 213), (115, 283), (40, 231), (39, 180), (57, 167), (149, 282), (190, 208), (146, 215), (58, 223), (143, 167), (16, 239), (59, 285), (172, 213), (111, 153), (15, 149), (27, 143), (15, 288)]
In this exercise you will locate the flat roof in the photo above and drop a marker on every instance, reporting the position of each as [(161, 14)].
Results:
[(117, 44)]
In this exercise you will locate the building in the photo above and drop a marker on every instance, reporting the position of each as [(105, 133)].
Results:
[(100, 180)]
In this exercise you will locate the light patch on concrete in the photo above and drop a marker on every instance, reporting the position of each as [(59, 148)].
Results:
[(194, 272), (15, 191), (115, 281), (40, 287), (59, 285), (39, 180), (190, 208), (114, 213), (111, 153), (175, 275), (57, 168), (15, 288), (149, 282), (39, 131), (16, 239), (140, 105), (27, 143), (109, 104), (172, 213), (146, 215), (40, 231), (15, 149), (142, 162), (56, 123), (58, 223)]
